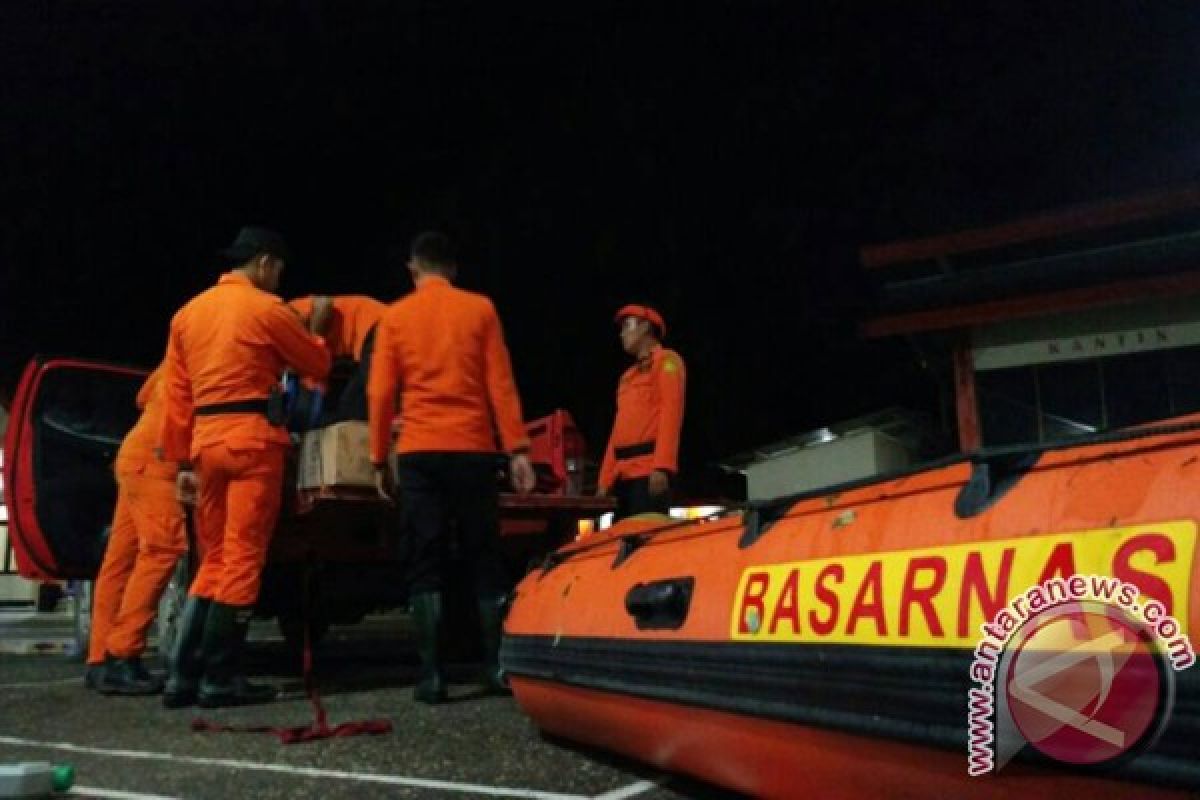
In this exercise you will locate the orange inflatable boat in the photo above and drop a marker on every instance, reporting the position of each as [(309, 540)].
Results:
[(822, 645), (1010, 621)]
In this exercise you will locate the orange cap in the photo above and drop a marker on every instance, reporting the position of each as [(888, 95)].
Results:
[(646, 313)]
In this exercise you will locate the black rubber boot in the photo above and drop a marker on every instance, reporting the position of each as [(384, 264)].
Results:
[(223, 684), (91, 678), (184, 666), (491, 625), (427, 616), (127, 676)]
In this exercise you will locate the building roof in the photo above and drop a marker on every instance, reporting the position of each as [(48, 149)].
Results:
[(1100, 254)]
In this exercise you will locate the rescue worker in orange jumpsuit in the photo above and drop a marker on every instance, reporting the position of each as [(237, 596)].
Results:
[(642, 457), (443, 349), (347, 322), (145, 542), (226, 351)]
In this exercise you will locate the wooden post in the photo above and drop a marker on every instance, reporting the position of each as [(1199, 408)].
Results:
[(969, 434)]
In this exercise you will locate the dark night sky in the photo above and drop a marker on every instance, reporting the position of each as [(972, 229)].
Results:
[(723, 164)]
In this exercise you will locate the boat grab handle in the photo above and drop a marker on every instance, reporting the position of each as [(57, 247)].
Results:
[(661, 605), (991, 478)]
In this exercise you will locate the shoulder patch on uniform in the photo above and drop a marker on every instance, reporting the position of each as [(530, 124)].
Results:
[(670, 364)]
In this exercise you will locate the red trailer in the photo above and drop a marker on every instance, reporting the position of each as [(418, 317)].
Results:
[(69, 417)]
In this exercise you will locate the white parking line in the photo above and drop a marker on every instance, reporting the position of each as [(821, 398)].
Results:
[(37, 684), (632, 790), (116, 794), (307, 772)]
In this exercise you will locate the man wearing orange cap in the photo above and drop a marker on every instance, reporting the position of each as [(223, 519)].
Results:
[(145, 541), (642, 458), (224, 425), (347, 323)]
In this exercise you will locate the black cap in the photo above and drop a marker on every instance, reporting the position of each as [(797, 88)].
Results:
[(252, 241)]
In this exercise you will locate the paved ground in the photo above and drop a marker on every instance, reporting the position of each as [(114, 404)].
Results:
[(133, 748)]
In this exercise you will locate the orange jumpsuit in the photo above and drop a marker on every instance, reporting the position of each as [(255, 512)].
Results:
[(146, 538), (352, 318), (445, 347), (645, 434), (230, 344)]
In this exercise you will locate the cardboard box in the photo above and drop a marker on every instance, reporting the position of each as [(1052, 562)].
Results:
[(335, 456)]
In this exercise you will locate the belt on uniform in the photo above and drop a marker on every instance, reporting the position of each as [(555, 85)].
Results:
[(257, 406), (634, 450)]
